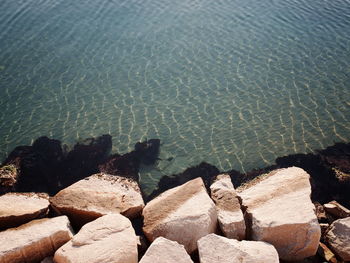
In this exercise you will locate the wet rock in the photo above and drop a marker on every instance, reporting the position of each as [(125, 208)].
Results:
[(204, 170), (46, 167), (183, 214), (84, 158), (213, 248), (280, 212), (148, 151), (36, 165), (34, 241), (336, 209), (166, 251), (126, 165), (98, 195), (230, 216), (326, 253), (19, 208), (8, 178), (338, 238), (109, 238)]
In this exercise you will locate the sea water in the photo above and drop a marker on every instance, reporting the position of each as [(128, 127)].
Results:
[(235, 83)]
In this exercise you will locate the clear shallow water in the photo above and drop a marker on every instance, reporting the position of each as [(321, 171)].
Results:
[(235, 83)]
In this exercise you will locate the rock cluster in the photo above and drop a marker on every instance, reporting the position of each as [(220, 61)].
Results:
[(274, 212)]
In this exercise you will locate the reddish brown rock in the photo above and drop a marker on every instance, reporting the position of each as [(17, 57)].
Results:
[(98, 195), (336, 209), (281, 213), (19, 208), (34, 241), (326, 253)]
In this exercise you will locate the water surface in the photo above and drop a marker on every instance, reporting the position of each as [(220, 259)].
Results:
[(231, 82)]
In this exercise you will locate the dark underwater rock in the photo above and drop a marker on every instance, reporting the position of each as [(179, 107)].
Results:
[(46, 167), (207, 171), (148, 151), (84, 158), (37, 165), (128, 165)]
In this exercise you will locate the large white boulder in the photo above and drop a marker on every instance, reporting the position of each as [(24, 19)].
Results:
[(34, 241), (166, 251), (338, 238), (97, 195), (183, 214), (230, 216), (281, 213), (108, 239), (19, 208), (213, 248)]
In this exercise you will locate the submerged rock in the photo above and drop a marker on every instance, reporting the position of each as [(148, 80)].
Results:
[(109, 238), (166, 251), (204, 170), (230, 216), (280, 212), (98, 195), (128, 165), (213, 249), (338, 238), (19, 208), (183, 214), (34, 241)]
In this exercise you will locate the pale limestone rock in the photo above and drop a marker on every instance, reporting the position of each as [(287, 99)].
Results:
[(230, 216), (183, 214), (338, 238), (282, 214), (108, 239), (213, 248), (34, 241), (166, 251), (19, 208), (98, 195)]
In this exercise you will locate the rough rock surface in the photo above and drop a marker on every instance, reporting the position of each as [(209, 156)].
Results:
[(326, 253), (98, 195), (166, 251), (213, 248), (34, 241), (183, 214), (281, 213), (338, 238), (19, 208), (110, 238), (230, 216), (336, 209)]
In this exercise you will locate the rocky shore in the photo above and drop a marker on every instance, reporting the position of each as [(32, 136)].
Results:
[(85, 205)]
